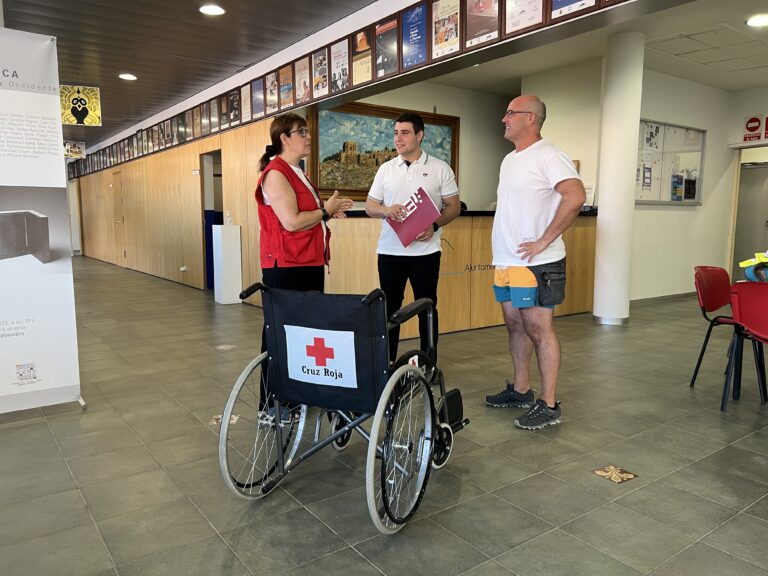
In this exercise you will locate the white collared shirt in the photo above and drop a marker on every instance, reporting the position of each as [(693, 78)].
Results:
[(395, 182)]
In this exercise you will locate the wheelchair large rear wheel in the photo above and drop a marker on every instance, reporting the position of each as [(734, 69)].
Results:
[(248, 439), (400, 449)]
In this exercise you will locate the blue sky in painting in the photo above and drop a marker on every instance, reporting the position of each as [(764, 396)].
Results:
[(372, 133)]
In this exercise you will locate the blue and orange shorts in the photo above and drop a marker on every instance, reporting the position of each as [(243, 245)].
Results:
[(516, 284)]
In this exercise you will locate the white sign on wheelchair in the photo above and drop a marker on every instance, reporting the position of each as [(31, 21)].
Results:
[(325, 357)]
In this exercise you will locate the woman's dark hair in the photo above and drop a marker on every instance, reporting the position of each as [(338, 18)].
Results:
[(282, 124)]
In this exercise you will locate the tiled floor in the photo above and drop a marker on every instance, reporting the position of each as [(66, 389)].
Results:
[(131, 486)]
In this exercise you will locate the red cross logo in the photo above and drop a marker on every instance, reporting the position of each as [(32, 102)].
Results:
[(320, 352)]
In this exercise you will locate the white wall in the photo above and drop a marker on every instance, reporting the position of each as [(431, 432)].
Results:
[(746, 103), (481, 134), (670, 241), (572, 95)]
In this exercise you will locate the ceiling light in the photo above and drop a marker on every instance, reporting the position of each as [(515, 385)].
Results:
[(758, 20), (212, 10), (127, 76)]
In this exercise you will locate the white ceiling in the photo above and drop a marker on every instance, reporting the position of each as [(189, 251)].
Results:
[(705, 41)]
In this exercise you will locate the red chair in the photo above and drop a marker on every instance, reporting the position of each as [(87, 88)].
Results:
[(749, 302), (713, 288)]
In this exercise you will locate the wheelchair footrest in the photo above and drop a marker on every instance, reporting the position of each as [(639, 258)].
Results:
[(452, 410)]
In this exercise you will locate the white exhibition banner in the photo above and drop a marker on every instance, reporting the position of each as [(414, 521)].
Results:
[(325, 357), (38, 335)]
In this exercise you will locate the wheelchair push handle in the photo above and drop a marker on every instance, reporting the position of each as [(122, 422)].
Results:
[(373, 295), (251, 290)]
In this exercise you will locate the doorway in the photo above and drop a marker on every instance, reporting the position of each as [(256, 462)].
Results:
[(751, 216), (213, 206), (119, 254)]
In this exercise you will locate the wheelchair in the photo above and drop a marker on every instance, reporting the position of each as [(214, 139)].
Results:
[(329, 352)]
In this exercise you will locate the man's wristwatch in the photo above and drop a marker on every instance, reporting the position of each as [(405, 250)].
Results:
[(326, 216), (435, 227)]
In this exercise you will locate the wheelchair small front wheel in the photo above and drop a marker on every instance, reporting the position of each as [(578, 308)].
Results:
[(248, 437), (337, 423), (400, 449), (443, 445)]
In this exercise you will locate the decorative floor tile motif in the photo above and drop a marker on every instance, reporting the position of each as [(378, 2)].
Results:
[(615, 474)]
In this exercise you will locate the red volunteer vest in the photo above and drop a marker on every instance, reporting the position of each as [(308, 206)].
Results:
[(281, 247)]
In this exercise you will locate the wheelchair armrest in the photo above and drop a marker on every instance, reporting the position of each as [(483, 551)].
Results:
[(373, 295), (251, 290), (407, 312)]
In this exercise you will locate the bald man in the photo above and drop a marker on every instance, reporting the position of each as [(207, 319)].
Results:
[(539, 196)]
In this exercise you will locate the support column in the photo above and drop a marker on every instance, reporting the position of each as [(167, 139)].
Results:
[(620, 121)]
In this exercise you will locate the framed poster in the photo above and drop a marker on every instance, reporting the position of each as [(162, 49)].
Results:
[(168, 133), (180, 135), (320, 73), (301, 74), (214, 107), (386, 48), (481, 22), (340, 66), (205, 119), (223, 111), (445, 27), (155, 138), (285, 78), (521, 15), (365, 133), (565, 8), (132, 147), (362, 57), (245, 102), (197, 121), (272, 93), (414, 37), (233, 101), (161, 137), (257, 98), (188, 134)]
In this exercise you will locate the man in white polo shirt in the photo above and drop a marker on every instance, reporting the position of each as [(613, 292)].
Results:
[(395, 182), (539, 196)]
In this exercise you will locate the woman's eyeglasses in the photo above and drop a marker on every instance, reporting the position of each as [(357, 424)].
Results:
[(303, 132)]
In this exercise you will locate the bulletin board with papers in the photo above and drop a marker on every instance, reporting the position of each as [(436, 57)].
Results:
[(670, 163)]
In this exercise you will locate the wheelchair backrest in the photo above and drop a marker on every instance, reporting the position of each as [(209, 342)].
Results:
[(326, 350)]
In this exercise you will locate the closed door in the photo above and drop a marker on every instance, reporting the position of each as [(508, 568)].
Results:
[(118, 221), (752, 215)]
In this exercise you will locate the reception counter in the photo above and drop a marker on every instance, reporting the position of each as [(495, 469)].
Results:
[(465, 294)]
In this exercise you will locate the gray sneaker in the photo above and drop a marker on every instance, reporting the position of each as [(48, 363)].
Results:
[(510, 398), (540, 416)]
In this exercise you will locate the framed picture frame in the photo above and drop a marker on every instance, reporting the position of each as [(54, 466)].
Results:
[(223, 111), (215, 117), (168, 133), (362, 56), (233, 104), (320, 84), (302, 80), (188, 132), (285, 81), (257, 99), (180, 128), (161, 137), (560, 10), (350, 142), (521, 16), (197, 121), (245, 103), (205, 119), (272, 93), (445, 28), (387, 48), (414, 36), (340, 76), (482, 23)]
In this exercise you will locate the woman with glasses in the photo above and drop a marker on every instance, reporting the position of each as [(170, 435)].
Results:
[(294, 235)]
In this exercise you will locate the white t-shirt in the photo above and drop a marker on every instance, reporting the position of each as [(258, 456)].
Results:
[(527, 202), (395, 182)]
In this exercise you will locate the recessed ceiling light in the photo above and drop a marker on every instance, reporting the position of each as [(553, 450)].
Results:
[(758, 21), (212, 10), (127, 76)]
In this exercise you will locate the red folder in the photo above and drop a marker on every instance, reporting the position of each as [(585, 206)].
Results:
[(421, 213)]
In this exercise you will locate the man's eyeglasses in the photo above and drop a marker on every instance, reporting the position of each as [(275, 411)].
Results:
[(513, 112), (303, 132)]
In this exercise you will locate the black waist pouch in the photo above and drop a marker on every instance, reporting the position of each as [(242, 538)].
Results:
[(550, 279)]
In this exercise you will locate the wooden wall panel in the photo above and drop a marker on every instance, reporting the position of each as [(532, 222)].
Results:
[(485, 311), (191, 211), (97, 217), (580, 266)]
